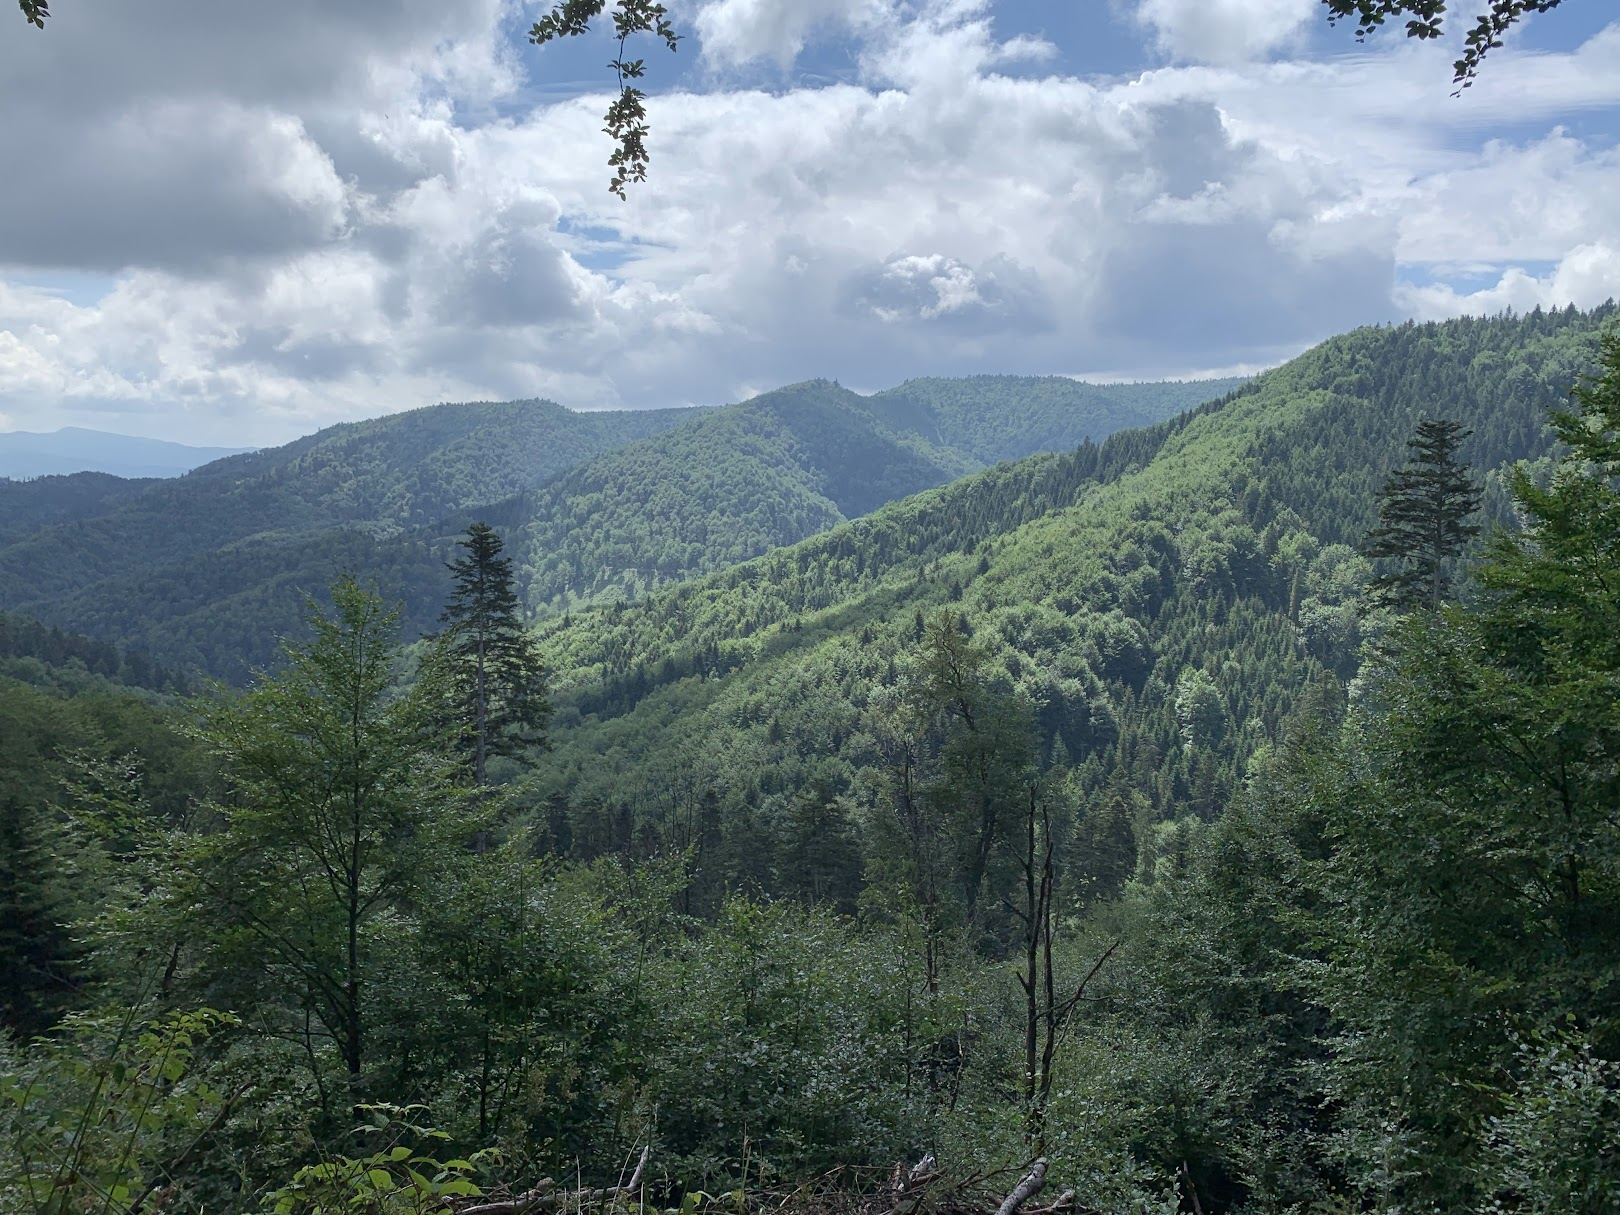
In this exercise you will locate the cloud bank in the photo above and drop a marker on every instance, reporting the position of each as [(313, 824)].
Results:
[(248, 221)]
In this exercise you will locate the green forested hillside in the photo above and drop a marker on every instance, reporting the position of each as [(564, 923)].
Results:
[(382, 475), (28, 506), (718, 491), (46, 655), (208, 570), (1160, 600), (1085, 815), (73, 710), (991, 418)]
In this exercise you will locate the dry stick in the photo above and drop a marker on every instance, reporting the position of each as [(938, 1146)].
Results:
[(1192, 1190), (165, 1175), (1080, 992), (1025, 1189), (543, 1198), (921, 1171), (641, 1167), (1065, 1202)]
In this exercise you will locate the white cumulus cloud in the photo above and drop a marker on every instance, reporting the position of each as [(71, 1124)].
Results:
[(1586, 276), (1225, 31), (385, 220), (736, 32)]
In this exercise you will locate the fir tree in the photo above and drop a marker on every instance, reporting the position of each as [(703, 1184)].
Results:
[(39, 958), (1423, 513), (494, 666)]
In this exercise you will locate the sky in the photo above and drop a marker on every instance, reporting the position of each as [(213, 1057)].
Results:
[(237, 223)]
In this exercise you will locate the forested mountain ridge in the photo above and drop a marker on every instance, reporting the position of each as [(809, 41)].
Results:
[(718, 487), (791, 463), (29, 506), (991, 418), (1160, 600), (757, 476), (722, 489), (383, 475)]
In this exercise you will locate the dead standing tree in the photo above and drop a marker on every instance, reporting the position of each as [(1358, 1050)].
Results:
[(1045, 1012)]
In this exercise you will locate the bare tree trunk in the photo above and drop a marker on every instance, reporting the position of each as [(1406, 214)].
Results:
[(1025, 1189)]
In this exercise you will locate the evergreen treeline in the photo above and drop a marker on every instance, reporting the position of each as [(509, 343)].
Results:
[(44, 654)]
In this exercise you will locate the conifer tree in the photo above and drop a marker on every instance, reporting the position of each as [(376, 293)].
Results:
[(38, 954), (1423, 520), (1481, 884), (496, 676)]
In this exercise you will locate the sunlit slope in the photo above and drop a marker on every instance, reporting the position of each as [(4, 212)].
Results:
[(1099, 581), (726, 487), (790, 464)]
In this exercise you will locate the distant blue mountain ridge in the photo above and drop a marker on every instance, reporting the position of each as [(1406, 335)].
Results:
[(25, 454)]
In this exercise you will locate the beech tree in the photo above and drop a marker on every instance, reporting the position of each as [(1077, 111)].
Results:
[(626, 117), (1426, 19), (343, 801)]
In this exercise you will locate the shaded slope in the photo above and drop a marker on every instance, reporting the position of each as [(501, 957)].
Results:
[(384, 474), (28, 506)]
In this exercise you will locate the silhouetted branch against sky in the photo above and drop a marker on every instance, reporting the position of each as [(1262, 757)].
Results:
[(627, 117)]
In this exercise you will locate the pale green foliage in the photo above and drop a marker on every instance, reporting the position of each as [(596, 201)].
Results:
[(627, 116), (95, 1121), (782, 1029), (1555, 1147), (1425, 20), (346, 799), (395, 1179), (1200, 709)]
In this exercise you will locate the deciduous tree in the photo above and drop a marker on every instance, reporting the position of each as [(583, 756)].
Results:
[(344, 797)]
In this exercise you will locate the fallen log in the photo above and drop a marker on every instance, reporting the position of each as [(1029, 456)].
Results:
[(1025, 1189), (914, 1192)]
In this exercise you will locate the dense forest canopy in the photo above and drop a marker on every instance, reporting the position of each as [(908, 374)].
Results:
[(1220, 812), (207, 570)]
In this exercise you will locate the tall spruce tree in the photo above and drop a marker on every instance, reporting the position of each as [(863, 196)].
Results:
[(1423, 520), (496, 676), (1477, 882)]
